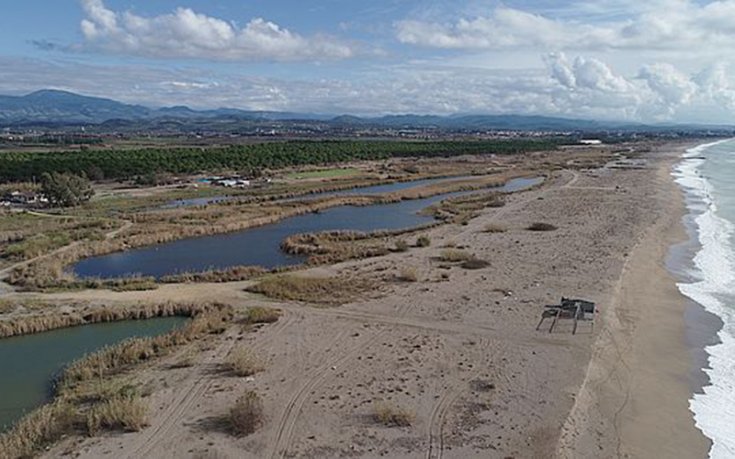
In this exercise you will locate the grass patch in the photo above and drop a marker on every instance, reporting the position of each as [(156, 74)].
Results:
[(123, 413), (241, 362), (325, 290), (538, 226), (454, 256), (247, 414), (261, 315), (392, 416)]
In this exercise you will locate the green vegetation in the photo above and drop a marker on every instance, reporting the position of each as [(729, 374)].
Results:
[(125, 164), (65, 189), (325, 173)]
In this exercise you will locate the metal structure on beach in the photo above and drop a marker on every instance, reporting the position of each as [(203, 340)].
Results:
[(569, 309)]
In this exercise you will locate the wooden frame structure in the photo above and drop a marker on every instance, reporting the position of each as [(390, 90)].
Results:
[(570, 309)]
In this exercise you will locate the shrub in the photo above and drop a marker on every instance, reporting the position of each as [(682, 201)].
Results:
[(261, 315), (541, 227), (408, 274), (392, 416), (454, 255), (243, 363), (401, 246), (495, 228), (247, 414), (123, 413), (423, 241)]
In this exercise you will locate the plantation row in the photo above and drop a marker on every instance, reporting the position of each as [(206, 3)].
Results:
[(124, 164)]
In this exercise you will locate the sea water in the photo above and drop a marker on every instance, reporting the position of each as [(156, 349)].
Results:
[(707, 174)]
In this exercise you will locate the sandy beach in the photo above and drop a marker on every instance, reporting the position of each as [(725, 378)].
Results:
[(458, 349)]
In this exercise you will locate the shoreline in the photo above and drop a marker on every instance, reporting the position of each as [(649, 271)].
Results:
[(634, 401)]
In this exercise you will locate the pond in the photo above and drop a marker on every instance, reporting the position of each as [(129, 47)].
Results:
[(262, 245), (30, 363)]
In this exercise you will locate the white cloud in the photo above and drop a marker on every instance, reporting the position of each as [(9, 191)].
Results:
[(657, 24), (187, 34), (580, 87)]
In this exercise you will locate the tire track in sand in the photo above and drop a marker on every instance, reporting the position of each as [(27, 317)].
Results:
[(197, 385)]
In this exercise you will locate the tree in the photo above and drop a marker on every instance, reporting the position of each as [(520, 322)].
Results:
[(65, 190)]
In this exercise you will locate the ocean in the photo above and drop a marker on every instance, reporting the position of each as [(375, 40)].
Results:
[(707, 174)]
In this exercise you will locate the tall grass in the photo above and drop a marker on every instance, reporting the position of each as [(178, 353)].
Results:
[(87, 400)]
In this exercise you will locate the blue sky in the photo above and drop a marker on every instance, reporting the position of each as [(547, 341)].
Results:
[(659, 60)]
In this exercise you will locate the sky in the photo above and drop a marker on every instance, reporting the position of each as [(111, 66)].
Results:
[(648, 61)]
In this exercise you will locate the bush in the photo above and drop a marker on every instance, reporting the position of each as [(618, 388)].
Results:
[(247, 414), (401, 246), (495, 228), (243, 363), (261, 315), (542, 227), (408, 274), (392, 416), (123, 413), (454, 255), (423, 241)]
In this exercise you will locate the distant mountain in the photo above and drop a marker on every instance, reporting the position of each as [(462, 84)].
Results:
[(65, 107), (60, 108)]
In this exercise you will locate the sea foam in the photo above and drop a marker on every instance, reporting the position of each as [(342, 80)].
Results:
[(713, 287)]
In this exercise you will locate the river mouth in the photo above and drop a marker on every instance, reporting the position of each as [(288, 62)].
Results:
[(261, 246), (31, 362)]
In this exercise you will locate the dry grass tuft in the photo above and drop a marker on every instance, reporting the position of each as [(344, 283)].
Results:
[(454, 255), (247, 414), (408, 274), (123, 413), (392, 416), (242, 362), (423, 241), (261, 315), (401, 246), (495, 228)]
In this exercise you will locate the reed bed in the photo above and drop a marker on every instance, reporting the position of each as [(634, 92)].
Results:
[(88, 401), (25, 325)]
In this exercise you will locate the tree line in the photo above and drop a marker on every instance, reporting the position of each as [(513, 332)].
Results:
[(127, 164)]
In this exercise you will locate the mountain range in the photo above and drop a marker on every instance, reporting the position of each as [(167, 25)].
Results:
[(62, 108)]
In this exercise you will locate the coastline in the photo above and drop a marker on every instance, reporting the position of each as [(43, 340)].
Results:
[(634, 401)]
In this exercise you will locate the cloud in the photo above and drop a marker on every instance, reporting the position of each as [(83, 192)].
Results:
[(578, 87), (656, 25), (187, 34)]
